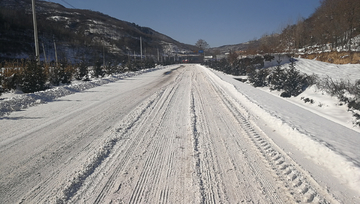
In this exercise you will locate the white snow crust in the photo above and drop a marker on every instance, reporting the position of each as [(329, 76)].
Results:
[(181, 133)]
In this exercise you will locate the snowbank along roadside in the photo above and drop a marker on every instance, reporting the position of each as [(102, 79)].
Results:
[(10, 102)]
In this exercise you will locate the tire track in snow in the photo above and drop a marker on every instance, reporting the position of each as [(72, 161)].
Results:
[(298, 182), (104, 152), (152, 169), (189, 142), (215, 183), (255, 167), (196, 150), (133, 129), (154, 151), (134, 120)]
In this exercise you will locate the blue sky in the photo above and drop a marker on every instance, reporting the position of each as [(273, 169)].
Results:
[(219, 22)]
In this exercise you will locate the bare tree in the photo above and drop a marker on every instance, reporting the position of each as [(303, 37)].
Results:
[(202, 44)]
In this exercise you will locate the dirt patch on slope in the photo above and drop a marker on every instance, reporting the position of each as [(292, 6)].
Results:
[(335, 57)]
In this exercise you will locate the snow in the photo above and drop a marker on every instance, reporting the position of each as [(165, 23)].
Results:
[(349, 72), (59, 18), (333, 145), (15, 101), (132, 138)]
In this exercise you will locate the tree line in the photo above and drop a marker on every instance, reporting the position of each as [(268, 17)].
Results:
[(335, 22), (28, 76)]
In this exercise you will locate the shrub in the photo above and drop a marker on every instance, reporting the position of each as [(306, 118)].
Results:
[(111, 69), (55, 75), (294, 82), (98, 71), (68, 72), (285, 95), (258, 77), (82, 72), (34, 78), (149, 63), (1, 88), (61, 74), (277, 78), (12, 75)]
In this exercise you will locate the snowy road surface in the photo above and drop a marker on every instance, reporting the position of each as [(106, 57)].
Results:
[(170, 136)]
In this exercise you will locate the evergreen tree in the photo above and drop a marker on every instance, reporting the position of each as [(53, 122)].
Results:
[(67, 72), (1, 88), (55, 75), (294, 81), (98, 71), (82, 72), (34, 78), (277, 77), (258, 77)]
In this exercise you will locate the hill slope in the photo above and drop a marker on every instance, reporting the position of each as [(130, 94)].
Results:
[(80, 34)]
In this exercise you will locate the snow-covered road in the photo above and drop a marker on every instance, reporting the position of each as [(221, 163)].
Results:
[(177, 135)]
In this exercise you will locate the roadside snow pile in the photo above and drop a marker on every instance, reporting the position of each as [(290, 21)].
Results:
[(14, 102), (324, 142), (322, 104)]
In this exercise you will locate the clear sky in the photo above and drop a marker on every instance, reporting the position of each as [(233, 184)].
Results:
[(218, 22)]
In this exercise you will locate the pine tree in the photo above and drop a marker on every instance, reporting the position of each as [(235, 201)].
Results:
[(258, 77), (34, 78), (1, 89), (98, 71), (82, 72), (1, 81), (293, 84), (55, 75), (277, 77), (67, 71)]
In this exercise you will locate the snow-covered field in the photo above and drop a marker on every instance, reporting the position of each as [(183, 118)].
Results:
[(192, 135)]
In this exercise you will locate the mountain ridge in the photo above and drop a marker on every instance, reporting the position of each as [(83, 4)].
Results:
[(79, 34)]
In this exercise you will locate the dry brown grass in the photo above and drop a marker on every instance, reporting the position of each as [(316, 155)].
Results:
[(335, 57)]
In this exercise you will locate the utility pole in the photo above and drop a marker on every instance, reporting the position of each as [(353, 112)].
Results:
[(141, 48), (56, 56), (158, 55), (37, 52), (104, 55), (44, 53)]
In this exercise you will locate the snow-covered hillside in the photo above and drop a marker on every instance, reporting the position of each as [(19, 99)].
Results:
[(349, 72), (321, 102), (177, 134)]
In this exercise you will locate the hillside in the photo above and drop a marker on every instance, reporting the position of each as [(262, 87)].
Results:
[(333, 28), (79, 34)]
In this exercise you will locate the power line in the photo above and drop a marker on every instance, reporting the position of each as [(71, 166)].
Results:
[(68, 4), (65, 3)]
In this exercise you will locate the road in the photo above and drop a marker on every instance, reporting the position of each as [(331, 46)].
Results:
[(168, 136)]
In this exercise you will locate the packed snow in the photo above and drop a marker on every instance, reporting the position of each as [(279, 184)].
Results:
[(159, 135)]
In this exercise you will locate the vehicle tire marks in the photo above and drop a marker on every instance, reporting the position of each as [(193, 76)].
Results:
[(147, 122), (210, 153), (302, 187), (152, 171), (189, 142), (114, 137), (128, 127)]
